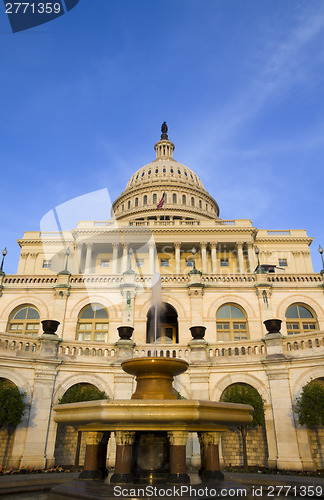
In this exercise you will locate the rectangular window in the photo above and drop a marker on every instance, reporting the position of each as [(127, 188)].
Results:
[(140, 263), (164, 262), (282, 262), (224, 262), (46, 264), (189, 262), (105, 263)]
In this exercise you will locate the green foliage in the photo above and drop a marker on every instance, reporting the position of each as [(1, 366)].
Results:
[(247, 395), (310, 405), (179, 396), (12, 405), (82, 392)]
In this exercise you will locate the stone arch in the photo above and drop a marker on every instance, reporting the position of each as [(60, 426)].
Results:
[(234, 299), (298, 298), (98, 299), (167, 326), (17, 379), (33, 301), (181, 310), (88, 378), (243, 378), (309, 374), (256, 438)]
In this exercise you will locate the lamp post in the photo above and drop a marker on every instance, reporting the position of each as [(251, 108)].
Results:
[(4, 253), (320, 249), (257, 252)]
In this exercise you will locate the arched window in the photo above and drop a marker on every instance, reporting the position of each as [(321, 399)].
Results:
[(300, 318), (200, 204), (136, 202), (192, 201), (93, 324), (174, 198), (231, 323), (128, 204), (184, 200), (145, 200), (154, 199), (25, 320), (167, 325)]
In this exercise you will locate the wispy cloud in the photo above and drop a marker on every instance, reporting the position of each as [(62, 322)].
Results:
[(283, 63)]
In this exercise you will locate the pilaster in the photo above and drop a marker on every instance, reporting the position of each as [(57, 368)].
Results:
[(40, 416)]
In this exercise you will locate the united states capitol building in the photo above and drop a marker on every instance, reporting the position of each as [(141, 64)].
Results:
[(225, 275)]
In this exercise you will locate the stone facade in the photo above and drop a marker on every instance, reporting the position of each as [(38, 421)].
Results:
[(105, 281)]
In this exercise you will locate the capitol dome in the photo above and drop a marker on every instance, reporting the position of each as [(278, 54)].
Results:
[(184, 194)]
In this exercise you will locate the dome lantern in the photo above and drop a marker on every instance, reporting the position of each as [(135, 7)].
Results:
[(164, 148)]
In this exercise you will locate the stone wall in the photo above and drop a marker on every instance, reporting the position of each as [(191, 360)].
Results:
[(257, 448), (316, 441), (5, 447), (66, 446)]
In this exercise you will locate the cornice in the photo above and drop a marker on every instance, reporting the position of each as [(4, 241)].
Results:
[(285, 239)]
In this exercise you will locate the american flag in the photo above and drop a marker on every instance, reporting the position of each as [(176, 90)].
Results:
[(161, 202)]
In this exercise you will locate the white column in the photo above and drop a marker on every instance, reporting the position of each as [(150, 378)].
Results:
[(240, 257), (151, 257), (78, 257), (115, 258), (203, 245), (177, 246), (88, 258), (213, 258), (125, 257), (251, 255)]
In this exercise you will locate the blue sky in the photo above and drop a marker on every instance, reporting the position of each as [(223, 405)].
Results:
[(240, 84)]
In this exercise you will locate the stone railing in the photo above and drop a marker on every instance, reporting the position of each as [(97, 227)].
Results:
[(294, 278), (243, 348), (163, 351), (87, 349), (13, 279), (219, 279), (228, 278), (97, 279), (299, 343), (14, 344)]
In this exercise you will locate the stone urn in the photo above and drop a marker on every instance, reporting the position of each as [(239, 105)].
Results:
[(50, 326), (198, 332), (272, 325), (125, 332)]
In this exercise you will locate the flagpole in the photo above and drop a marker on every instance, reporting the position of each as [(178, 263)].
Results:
[(164, 208)]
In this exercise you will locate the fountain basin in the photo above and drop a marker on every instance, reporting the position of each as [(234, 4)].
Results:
[(154, 376), (149, 415)]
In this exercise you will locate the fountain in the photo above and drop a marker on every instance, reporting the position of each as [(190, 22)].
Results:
[(151, 429)]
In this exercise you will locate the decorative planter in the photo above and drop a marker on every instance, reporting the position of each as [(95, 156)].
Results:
[(50, 326), (125, 332), (198, 332), (272, 325)]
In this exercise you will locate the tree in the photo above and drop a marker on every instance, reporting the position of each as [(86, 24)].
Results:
[(12, 408), (82, 392), (76, 394), (309, 408), (246, 394)]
